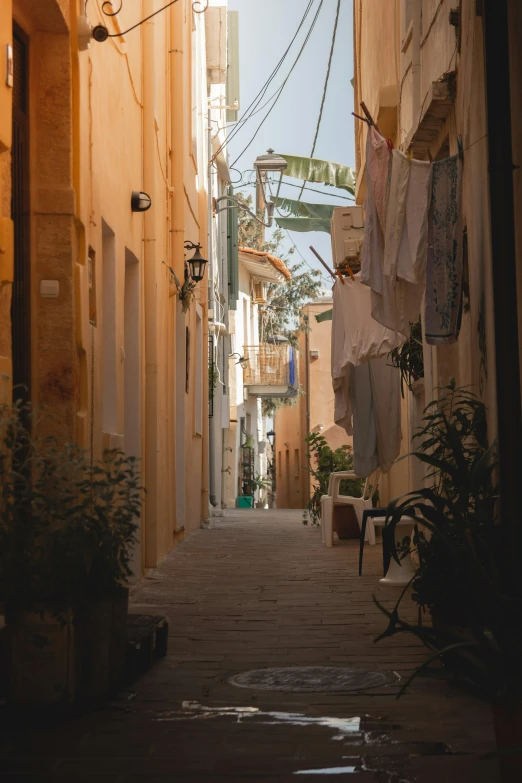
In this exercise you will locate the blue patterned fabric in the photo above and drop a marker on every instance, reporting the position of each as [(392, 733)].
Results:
[(444, 265)]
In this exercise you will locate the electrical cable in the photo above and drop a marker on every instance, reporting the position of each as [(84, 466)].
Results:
[(243, 184), (285, 81), (255, 102), (251, 109), (304, 259), (325, 88)]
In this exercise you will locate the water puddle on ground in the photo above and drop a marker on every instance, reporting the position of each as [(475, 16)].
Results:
[(192, 710), (369, 739), (328, 771)]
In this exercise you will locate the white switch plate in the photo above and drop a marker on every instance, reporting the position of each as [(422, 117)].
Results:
[(49, 289)]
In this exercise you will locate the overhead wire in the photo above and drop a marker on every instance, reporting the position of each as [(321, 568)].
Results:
[(243, 184), (325, 88), (252, 108), (279, 92)]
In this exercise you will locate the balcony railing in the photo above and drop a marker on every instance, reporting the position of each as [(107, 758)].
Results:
[(271, 370)]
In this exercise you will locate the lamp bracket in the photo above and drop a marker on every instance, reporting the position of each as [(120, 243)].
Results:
[(108, 9), (238, 204)]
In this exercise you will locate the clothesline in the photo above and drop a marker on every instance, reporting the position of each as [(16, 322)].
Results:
[(370, 122)]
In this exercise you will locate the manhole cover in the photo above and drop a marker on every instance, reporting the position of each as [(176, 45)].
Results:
[(314, 679)]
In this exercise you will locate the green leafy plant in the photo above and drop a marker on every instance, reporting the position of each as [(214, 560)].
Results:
[(323, 461), (248, 440), (281, 314), (213, 376), (66, 526), (466, 575), (409, 358)]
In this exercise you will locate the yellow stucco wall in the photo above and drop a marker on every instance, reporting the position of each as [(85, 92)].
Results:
[(108, 359), (313, 409)]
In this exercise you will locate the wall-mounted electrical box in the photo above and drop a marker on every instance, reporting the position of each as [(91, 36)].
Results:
[(347, 230)]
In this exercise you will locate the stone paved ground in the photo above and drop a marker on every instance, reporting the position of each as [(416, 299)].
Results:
[(260, 590)]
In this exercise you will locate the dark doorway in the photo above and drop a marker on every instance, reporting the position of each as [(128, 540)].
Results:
[(20, 307)]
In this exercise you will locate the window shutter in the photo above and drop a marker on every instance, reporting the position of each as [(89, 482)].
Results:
[(233, 253)]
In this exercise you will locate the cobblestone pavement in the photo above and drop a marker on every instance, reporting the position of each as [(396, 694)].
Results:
[(259, 590)]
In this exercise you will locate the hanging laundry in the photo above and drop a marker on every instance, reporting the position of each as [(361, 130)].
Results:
[(378, 157), (366, 388), (376, 407), (413, 250), (356, 336), (365, 449), (386, 393), (444, 265), (405, 245)]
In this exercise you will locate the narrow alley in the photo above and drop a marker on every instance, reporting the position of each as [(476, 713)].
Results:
[(259, 590)]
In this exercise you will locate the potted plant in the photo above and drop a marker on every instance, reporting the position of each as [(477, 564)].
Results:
[(409, 359), (261, 485), (67, 526), (467, 576)]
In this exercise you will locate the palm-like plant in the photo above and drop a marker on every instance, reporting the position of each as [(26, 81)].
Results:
[(466, 574)]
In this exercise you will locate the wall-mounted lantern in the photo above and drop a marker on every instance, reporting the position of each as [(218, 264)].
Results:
[(242, 361), (140, 201), (271, 437), (197, 263)]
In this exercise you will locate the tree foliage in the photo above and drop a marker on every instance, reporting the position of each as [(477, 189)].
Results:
[(282, 313)]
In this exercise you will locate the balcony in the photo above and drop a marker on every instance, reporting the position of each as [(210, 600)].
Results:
[(271, 370)]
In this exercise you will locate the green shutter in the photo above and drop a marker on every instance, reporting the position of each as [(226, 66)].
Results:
[(233, 253), (232, 64)]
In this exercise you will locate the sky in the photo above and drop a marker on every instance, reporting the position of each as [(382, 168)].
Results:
[(266, 28)]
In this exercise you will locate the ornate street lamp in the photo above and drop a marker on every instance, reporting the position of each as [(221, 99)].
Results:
[(269, 173), (197, 263), (271, 437)]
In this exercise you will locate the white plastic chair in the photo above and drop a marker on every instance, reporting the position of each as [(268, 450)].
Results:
[(359, 504)]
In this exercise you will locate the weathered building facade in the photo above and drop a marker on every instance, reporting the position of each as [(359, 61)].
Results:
[(421, 70), (311, 411), (91, 319)]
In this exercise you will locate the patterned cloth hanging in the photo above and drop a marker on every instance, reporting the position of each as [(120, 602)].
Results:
[(445, 242)]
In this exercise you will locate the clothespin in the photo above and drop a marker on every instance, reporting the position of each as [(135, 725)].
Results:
[(347, 268), (460, 147), (339, 275)]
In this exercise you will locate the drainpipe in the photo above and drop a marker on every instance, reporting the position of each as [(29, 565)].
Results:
[(211, 303), (151, 305), (503, 261), (307, 381), (416, 62)]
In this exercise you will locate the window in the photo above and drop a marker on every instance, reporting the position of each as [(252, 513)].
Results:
[(296, 463), (278, 463), (91, 274), (198, 396), (187, 360), (110, 374)]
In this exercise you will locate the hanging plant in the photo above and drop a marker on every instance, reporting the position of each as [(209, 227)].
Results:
[(186, 295), (409, 358)]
